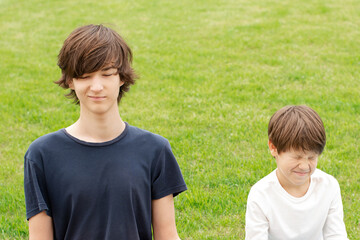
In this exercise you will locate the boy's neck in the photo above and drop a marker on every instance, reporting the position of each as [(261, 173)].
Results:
[(91, 127), (293, 190)]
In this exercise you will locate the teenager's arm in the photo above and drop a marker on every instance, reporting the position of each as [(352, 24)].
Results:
[(41, 227), (163, 219)]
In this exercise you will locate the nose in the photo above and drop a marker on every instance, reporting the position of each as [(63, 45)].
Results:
[(304, 164), (96, 84)]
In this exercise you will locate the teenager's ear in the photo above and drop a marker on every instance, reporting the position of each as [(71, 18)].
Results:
[(71, 84), (272, 148), (121, 83)]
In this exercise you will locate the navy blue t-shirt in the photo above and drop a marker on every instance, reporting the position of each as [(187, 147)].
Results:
[(100, 190)]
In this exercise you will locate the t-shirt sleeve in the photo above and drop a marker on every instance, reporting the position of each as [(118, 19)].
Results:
[(334, 227), (256, 223), (166, 175), (35, 189)]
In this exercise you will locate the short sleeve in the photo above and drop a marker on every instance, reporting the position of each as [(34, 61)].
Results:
[(35, 189), (256, 223), (166, 176)]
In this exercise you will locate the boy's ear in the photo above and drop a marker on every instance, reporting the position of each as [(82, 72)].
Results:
[(272, 148)]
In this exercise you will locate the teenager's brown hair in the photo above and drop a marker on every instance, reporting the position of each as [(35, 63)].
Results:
[(298, 128), (89, 49)]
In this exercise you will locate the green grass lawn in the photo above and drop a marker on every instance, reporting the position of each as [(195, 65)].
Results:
[(211, 75)]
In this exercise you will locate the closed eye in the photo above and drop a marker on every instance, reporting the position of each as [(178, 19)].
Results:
[(109, 74), (82, 77)]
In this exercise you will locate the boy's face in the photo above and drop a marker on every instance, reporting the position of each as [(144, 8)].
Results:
[(98, 91), (294, 167)]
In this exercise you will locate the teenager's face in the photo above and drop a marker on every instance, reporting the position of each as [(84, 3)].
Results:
[(294, 168), (98, 91)]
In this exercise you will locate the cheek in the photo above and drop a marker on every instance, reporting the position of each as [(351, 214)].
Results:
[(285, 164), (313, 165), (291, 164)]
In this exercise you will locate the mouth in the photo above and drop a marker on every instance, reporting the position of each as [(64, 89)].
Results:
[(97, 98), (300, 173)]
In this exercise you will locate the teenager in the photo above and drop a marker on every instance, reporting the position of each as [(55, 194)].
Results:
[(100, 178)]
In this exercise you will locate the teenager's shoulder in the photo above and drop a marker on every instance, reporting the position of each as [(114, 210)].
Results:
[(45, 142), (145, 136), (48, 139)]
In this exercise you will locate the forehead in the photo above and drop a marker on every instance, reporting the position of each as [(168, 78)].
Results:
[(103, 69), (108, 67), (301, 153), (96, 60)]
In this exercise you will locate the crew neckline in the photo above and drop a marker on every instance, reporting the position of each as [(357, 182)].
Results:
[(291, 197), (97, 144)]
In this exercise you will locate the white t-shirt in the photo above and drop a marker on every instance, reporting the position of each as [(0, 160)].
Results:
[(272, 213)]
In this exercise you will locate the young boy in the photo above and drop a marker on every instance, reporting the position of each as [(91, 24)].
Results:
[(296, 201), (100, 178)]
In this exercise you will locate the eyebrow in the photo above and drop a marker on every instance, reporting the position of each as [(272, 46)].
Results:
[(107, 68), (299, 155)]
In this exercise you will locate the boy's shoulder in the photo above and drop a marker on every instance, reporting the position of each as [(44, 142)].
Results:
[(269, 186), (264, 185), (323, 179)]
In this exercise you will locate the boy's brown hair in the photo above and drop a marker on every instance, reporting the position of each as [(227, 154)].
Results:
[(91, 48), (297, 128)]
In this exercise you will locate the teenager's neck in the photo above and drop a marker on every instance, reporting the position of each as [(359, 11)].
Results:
[(97, 128)]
